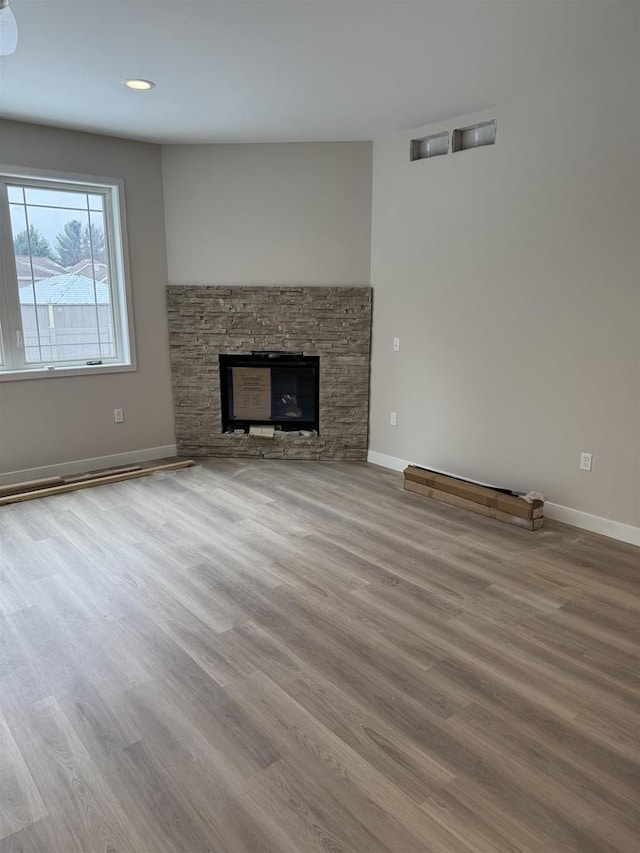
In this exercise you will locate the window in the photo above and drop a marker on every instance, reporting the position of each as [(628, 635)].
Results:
[(64, 300)]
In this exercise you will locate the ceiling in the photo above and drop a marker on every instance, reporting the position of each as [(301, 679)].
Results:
[(295, 71)]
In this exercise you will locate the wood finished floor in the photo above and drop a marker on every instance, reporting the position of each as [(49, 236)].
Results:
[(287, 657)]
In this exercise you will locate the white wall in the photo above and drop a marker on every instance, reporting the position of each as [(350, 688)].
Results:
[(295, 213), (511, 274), (58, 419)]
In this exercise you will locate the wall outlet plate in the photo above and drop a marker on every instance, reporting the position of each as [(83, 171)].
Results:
[(118, 416), (585, 461), (396, 344)]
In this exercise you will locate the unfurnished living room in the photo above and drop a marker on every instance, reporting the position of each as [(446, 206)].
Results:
[(319, 426)]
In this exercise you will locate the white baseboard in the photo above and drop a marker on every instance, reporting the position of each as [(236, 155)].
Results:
[(386, 461), (577, 518), (77, 466), (593, 523)]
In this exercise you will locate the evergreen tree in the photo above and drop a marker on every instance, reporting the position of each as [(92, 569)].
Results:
[(70, 243), (96, 243), (34, 243)]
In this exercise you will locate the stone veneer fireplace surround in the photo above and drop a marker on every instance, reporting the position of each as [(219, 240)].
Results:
[(333, 323)]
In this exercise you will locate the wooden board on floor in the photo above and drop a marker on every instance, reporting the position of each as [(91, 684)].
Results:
[(50, 482), (100, 472), (493, 498), (30, 485), (479, 509), (99, 481)]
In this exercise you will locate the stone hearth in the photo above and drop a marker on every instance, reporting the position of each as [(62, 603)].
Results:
[(333, 323)]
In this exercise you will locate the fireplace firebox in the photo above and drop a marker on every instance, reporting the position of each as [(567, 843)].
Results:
[(270, 388)]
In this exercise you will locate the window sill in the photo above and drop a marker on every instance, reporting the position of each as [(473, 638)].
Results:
[(77, 370)]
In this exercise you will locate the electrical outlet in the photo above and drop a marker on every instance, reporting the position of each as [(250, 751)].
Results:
[(585, 461), (393, 420), (396, 344), (118, 416)]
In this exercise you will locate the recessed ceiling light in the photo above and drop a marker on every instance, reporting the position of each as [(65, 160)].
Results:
[(139, 85)]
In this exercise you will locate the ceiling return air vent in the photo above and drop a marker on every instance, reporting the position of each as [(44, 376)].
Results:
[(474, 136), (429, 146)]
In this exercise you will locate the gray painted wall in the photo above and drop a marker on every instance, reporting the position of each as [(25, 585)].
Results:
[(273, 214), (60, 419), (511, 274)]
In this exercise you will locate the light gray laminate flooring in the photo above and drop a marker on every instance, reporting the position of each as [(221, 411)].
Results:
[(258, 656)]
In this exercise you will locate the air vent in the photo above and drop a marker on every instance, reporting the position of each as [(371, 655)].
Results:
[(474, 136), (429, 146)]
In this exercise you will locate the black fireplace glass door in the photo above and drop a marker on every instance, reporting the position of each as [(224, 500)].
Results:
[(281, 391)]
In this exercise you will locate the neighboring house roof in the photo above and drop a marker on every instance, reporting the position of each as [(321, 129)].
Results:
[(42, 268), (67, 289), (89, 268)]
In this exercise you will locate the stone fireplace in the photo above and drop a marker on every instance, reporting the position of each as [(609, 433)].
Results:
[(212, 328)]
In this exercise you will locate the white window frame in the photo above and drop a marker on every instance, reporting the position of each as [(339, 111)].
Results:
[(12, 363)]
